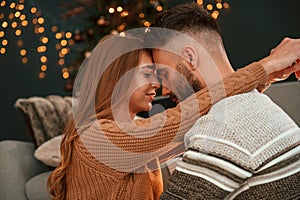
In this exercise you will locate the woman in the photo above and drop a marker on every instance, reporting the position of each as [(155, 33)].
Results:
[(104, 154)]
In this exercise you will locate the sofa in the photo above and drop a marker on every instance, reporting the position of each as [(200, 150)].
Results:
[(24, 174)]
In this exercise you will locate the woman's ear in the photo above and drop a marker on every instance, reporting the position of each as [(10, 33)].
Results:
[(189, 53)]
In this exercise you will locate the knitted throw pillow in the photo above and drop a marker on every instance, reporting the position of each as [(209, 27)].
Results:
[(46, 117)]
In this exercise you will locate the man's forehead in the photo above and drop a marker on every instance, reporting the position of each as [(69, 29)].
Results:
[(164, 59)]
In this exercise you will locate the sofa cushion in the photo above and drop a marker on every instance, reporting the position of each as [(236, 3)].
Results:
[(36, 187), (47, 116), (49, 152), (17, 166)]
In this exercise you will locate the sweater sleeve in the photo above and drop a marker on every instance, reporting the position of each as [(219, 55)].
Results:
[(177, 121), (145, 139)]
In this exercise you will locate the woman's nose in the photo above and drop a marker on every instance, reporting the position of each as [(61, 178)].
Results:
[(155, 83)]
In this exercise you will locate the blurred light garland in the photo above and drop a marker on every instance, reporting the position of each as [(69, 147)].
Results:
[(105, 17)]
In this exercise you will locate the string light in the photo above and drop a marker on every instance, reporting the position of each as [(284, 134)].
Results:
[(111, 10), (124, 14), (119, 9), (159, 8), (4, 42), (21, 16)]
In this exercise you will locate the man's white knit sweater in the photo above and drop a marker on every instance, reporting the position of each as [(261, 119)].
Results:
[(245, 141)]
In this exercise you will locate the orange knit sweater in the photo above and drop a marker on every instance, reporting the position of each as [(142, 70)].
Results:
[(88, 178)]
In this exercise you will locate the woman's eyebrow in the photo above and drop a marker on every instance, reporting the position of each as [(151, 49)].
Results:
[(148, 66)]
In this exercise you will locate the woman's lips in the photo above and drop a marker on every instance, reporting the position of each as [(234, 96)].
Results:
[(151, 96)]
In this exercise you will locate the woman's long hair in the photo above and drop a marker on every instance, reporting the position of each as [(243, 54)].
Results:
[(101, 102)]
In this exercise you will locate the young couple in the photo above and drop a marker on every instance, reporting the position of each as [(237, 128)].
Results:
[(106, 152)]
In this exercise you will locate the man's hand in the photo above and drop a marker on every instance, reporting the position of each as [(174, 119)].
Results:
[(283, 60)]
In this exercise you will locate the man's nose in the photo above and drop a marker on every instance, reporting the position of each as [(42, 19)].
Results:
[(165, 91)]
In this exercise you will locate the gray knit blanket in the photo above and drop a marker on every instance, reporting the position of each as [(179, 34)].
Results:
[(246, 147), (47, 116)]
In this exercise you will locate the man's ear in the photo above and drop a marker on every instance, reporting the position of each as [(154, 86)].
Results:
[(190, 54)]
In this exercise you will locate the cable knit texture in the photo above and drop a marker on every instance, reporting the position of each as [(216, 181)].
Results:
[(249, 126), (247, 147), (99, 172)]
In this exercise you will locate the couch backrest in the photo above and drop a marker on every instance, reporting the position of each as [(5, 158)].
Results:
[(287, 96)]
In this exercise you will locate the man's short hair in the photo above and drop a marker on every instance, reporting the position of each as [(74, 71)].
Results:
[(191, 19), (187, 17)]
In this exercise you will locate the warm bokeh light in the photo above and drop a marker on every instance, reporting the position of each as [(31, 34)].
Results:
[(119, 9), (2, 50), (101, 21), (147, 24), (41, 20), (42, 75), (12, 5), (20, 7), (4, 24), (22, 17), (58, 36), (200, 2), (64, 43), (18, 32), (42, 49), (24, 60), (23, 52), (14, 24), (122, 27), (111, 10), (44, 40), (11, 16), (159, 8), (3, 3), (209, 7), (215, 14), (141, 15), (124, 14), (33, 10), (219, 5), (4, 42), (34, 21), (64, 51), (24, 23), (43, 59), (66, 75), (54, 28), (44, 68), (41, 30), (17, 14), (226, 5), (61, 61), (64, 70), (68, 35)]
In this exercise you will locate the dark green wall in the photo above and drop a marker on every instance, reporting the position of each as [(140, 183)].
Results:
[(250, 30)]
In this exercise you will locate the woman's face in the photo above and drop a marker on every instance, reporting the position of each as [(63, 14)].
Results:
[(145, 85)]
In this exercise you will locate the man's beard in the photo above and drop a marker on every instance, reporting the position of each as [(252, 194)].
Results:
[(186, 84)]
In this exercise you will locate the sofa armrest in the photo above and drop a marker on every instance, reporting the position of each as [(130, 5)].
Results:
[(17, 166)]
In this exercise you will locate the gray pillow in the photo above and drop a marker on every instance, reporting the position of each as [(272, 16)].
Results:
[(36, 187)]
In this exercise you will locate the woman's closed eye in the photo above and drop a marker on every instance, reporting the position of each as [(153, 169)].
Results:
[(148, 71)]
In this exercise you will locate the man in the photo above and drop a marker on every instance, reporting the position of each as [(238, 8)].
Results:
[(245, 145)]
